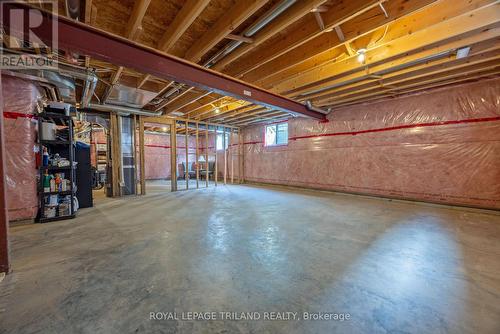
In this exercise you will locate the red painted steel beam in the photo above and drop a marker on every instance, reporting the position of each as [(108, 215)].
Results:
[(81, 38), (4, 221)]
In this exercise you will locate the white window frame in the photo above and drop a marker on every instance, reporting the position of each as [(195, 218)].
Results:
[(219, 141), (275, 143)]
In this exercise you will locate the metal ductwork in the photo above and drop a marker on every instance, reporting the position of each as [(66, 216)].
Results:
[(63, 82), (310, 106), (122, 110), (252, 30), (73, 9)]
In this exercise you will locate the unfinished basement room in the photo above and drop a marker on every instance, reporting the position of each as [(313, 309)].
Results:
[(250, 166)]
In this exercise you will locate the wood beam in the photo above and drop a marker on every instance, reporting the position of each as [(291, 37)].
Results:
[(412, 73), (237, 14), (114, 80), (237, 105), (205, 103), (294, 13), (366, 14), (240, 38), (188, 13), (138, 12), (423, 17), (455, 28), (295, 38), (173, 99), (319, 21), (267, 120), (325, 47), (186, 100), (396, 86), (417, 59), (268, 116), (223, 116), (134, 22), (220, 109), (257, 111), (418, 87), (88, 20)]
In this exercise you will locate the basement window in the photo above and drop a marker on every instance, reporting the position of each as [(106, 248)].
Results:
[(220, 142), (276, 134)]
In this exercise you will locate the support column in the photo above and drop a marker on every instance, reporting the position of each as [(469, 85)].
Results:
[(186, 144), (225, 154), (206, 157), (216, 169), (173, 156), (141, 155), (134, 153), (4, 219), (231, 153), (241, 149), (197, 163)]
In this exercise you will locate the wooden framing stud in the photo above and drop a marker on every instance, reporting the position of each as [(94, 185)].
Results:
[(186, 145)]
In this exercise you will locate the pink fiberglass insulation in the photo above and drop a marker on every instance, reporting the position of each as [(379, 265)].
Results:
[(156, 156), (19, 98), (439, 146)]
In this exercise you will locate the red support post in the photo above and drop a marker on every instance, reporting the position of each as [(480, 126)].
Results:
[(4, 221)]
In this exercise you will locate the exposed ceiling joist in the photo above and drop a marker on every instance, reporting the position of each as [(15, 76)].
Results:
[(297, 37), (483, 19), (323, 48), (188, 13), (186, 100), (416, 61), (294, 13), (418, 86), (402, 81), (394, 78), (140, 8), (138, 12), (241, 11), (240, 38)]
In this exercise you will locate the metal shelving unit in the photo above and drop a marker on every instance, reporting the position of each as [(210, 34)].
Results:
[(67, 150)]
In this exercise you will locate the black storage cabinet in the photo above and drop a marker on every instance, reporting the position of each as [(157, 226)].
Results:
[(83, 175)]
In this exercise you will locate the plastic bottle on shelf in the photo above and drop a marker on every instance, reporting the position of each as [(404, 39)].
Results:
[(46, 182), (45, 158), (58, 182), (52, 184)]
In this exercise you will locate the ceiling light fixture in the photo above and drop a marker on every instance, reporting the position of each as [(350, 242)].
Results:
[(463, 52), (362, 55)]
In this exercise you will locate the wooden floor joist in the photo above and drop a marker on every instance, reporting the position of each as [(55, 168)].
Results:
[(290, 54)]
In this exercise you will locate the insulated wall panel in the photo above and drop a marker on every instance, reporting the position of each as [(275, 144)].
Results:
[(20, 98), (439, 146), (157, 156)]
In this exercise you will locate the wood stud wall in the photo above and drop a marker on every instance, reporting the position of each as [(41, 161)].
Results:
[(188, 128)]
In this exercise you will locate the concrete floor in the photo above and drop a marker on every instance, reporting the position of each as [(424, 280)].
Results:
[(164, 185), (394, 267)]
